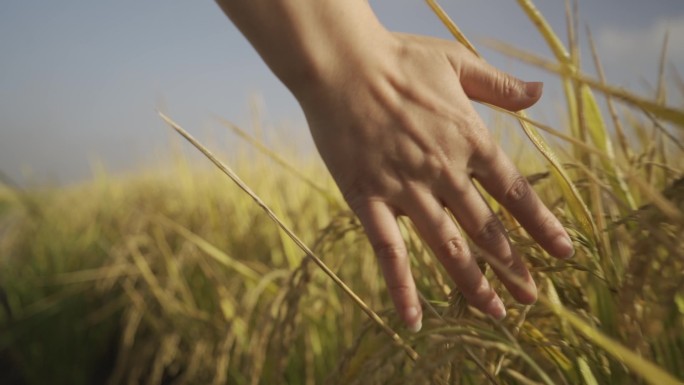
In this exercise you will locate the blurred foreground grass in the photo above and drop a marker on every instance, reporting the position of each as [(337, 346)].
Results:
[(182, 279)]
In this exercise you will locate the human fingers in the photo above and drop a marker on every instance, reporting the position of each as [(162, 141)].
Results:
[(383, 233), (442, 236), (483, 82), (484, 228), (505, 183)]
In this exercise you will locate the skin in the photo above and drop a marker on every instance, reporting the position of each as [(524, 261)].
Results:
[(392, 117)]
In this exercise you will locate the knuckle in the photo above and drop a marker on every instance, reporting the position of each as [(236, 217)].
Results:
[(518, 190), (518, 268), (399, 289), (510, 87), (509, 265), (469, 126), (355, 197), (459, 185), (390, 252), (491, 232), (549, 226), (455, 250), (484, 148), (479, 293), (469, 120)]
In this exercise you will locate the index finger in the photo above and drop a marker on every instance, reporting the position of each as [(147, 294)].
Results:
[(503, 181)]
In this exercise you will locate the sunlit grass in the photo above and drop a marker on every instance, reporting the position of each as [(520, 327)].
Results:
[(184, 279)]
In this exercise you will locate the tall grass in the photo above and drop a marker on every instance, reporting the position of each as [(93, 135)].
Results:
[(183, 279)]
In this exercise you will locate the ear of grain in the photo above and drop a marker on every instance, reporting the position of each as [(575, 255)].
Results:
[(599, 135), (651, 373)]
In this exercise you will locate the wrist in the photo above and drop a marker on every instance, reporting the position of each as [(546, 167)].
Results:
[(342, 63), (308, 43), (333, 45)]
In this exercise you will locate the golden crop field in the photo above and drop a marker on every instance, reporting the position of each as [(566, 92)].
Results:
[(185, 278)]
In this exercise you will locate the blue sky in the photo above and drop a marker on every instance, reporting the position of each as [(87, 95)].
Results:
[(80, 80)]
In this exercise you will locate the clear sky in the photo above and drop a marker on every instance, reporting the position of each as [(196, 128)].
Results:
[(80, 80)]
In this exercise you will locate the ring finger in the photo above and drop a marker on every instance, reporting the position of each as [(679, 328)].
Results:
[(486, 230), (444, 238)]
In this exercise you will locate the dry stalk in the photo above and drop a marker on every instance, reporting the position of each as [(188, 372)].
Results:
[(412, 354)]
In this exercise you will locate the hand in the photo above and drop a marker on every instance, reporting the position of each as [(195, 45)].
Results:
[(398, 132)]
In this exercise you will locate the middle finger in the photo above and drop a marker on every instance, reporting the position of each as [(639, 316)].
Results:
[(444, 238), (486, 230)]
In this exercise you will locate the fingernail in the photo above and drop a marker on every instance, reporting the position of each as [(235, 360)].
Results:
[(533, 89), (564, 243), (496, 309), (529, 295), (416, 327), (414, 314)]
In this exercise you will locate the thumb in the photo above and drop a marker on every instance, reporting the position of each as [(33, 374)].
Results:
[(485, 83)]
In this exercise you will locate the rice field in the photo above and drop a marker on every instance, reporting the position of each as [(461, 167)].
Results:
[(188, 277)]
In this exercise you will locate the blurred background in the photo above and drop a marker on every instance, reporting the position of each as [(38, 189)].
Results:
[(80, 80), (134, 265)]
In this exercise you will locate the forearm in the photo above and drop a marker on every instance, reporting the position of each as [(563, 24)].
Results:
[(304, 41)]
